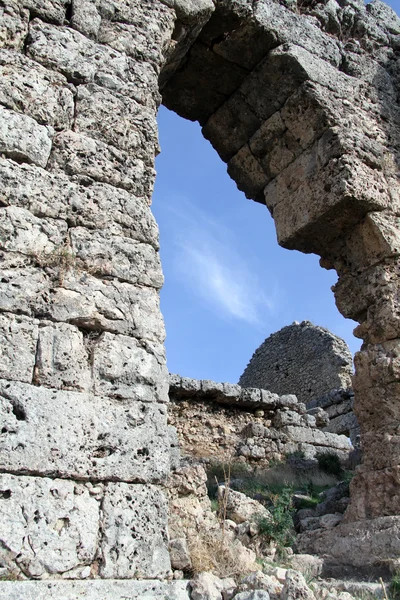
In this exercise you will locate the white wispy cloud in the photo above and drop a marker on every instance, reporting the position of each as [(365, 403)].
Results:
[(207, 260)]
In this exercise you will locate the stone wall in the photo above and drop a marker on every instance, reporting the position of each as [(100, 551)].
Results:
[(84, 443), (337, 411), (223, 422), (301, 102), (301, 359)]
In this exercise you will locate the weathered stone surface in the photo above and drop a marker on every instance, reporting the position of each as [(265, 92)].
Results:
[(84, 61), (116, 256), (62, 361), (179, 553), (122, 368), (94, 589), (254, 595), (115, 119), (29, 88), (23, 139), (48, 10), (77, 154), (141, 30), (19, 341), (13, 25), (239, 507), (301, 359), (134, 532), (21, 232), (95, 206), (295, 587), (47, 526), (206, 586), (70, 434), (364, 543)]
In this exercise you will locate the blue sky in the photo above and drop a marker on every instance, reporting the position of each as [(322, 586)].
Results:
[(228, 285)]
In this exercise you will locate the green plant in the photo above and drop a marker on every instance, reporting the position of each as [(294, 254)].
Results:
[(394, 587), (296, 455), (329, 462), (279, 526)]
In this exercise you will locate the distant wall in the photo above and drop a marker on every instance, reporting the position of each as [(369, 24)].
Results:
[(301, 359)]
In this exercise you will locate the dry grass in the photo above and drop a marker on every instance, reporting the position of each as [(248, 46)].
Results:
[(212, 551)]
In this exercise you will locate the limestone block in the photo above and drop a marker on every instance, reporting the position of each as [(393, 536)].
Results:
[(364, 543), (239, 507), (83, 156), (348, 187), (94, 589), (116, 120), (14, 22), (141, 29), (19, 337), (289, 27), (282, 418), (53, 11), (84, 61), (85, 17), (134, 534), (206, 586), (116, 256), (296, 587), (23, 139), (84, 300), (316, 437), (122, 368), (21, 232), (76, 435), (179, 553), (29, 88), (47, 526), (62, 361), (96, 206)]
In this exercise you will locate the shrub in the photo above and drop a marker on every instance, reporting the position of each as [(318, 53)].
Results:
[(329, 462), (279, 527)]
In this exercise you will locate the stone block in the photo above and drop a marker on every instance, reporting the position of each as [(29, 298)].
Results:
[(53, 11), (77, 435), (321, 196), (62, 361), (248, 174), (19, 337), (142, 30), (48, 527), (93, 304), (363, 544), (116, 256), (316, 437), (24, 233), (14, 23), (29, 88), (134, 532), (83, 61), (95, 206), (122, 368), (117, 120), (290, 27), (85, 157), (23, 139), (94, 589)]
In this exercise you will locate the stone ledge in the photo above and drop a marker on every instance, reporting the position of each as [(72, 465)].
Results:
[(94, 589)]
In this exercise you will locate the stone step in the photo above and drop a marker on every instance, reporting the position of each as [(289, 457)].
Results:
[(94, 589)]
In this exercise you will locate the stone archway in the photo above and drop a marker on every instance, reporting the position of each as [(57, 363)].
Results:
[(299, 106), (301, 102)]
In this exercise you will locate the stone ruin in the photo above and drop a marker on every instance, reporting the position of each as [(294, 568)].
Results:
[(301, 359), (315, 365), (300, 100), (224, 422)]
